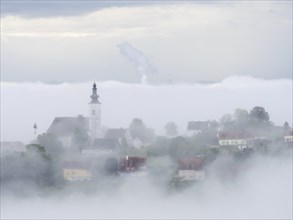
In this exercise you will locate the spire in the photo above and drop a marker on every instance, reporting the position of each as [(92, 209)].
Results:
[(35, 127), (95, 96)]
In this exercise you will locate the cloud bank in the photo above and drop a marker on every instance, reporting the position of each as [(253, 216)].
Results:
[(23, 104), (262, 190)]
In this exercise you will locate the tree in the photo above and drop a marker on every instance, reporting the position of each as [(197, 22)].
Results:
[(45, 170), (177, 145), (286, 127), (51, 143), (37, 149), (259, 117), (226, 122), (171, 129), (138, 129), (160, 147), (241, 115)]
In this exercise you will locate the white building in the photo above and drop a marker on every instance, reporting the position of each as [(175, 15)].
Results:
[(288, 138), (191, 169), (235, 140), (191, 175), (102, 147), (95, 130)]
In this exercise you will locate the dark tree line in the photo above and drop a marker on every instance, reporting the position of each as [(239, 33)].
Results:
[(34, 169)]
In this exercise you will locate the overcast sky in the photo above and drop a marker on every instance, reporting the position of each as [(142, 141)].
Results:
[(77, 41)]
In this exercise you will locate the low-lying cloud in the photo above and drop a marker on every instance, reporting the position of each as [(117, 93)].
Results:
[(23, 104), (261, 190)]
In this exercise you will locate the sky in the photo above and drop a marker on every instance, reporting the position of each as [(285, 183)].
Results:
[(159, 61), (148, 58), (190, 41)]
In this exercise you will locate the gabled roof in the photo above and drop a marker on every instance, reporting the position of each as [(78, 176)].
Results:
[(197, 125), (131, 163), (66, 126), (105, 143), (115, 133), (191, 163), (234, 135), (289, 133)]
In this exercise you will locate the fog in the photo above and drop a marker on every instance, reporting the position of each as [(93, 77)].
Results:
[(23, 104), (252, 186), (261, 190)]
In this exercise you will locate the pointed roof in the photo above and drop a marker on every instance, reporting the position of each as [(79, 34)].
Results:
[(234, 135), (94, 97)]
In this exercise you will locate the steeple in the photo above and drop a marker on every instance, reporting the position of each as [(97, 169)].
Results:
[(95, 96), (94, 115)]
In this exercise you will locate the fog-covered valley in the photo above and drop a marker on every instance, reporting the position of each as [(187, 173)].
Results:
[(261, 190)]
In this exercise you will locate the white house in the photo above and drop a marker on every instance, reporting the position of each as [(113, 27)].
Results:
[(288, 138), (196, 127), (191, 169), (75, 170), (101, 147), (121, 134), (234, 139)]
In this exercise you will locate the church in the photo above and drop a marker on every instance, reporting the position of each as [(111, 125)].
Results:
[(87, 132)]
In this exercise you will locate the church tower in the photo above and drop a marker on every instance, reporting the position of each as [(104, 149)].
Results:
[(94, 115)]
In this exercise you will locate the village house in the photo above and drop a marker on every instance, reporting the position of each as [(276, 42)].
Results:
[(196, 127), (68, 128), (137, 143), (131, 163), (288, 138), (77, 170), (191, 169), (259, 143), (234, 140), (122, 135), (132, 166), (102, 147)]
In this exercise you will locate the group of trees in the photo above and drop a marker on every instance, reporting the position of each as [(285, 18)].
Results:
[(242, 120), (138, 129), (34, 169), (176, 147)]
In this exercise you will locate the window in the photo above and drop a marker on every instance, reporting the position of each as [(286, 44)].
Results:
[(93, 112)]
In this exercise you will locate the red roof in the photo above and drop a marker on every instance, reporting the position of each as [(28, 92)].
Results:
[(130, 163), (234, 135), (289, 133), (192, 163)]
